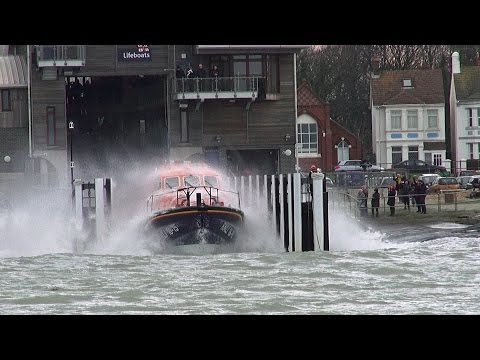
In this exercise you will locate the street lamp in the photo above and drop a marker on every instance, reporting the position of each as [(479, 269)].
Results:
[(71, 126)]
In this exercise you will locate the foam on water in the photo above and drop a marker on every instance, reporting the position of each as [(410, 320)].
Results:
[(42, 222)]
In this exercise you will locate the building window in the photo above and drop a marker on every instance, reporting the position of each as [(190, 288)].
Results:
[(413, 153), (51, 131), (396, 119), (470, 117), (470, 151), (245, 66), (272, 74), (432, 116), (184, 138), (412, 119), (307, 138), (223, 63), (407, 83), (6, 100), (343, 151), (428, 157), (437, 159), (478, 116), (396, 154)]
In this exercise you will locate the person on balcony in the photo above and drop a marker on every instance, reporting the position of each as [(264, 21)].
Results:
[(179, 73), (189, 79), (201, 74), (215, 75)]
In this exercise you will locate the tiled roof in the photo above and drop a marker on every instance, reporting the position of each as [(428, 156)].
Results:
[(306, 96), (467, 83), (427, 87), (13, 71)]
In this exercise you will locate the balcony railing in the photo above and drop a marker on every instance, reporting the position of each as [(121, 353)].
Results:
[(246, 87), (60, 55)]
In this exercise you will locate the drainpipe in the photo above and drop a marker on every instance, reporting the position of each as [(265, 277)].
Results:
[(297, 167), (29, 57)]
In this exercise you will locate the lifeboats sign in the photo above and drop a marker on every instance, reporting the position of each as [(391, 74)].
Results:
[(141, 53)]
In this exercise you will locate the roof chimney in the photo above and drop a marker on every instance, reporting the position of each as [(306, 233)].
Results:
[(455, 63)]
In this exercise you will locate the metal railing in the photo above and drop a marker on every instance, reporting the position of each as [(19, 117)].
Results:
[(444, 201), (184, 197), (236, 84)]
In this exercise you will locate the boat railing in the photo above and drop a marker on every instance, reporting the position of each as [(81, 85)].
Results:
[(216, 196)]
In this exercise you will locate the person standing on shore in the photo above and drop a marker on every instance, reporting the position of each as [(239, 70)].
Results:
[(375, 201), (391, 199)]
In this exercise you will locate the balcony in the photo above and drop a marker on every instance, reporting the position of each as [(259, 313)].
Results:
[(249, 87), (60, 55)]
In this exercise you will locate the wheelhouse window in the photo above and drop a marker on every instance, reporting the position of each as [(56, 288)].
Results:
[(6, 100), (396, 119), (51, 131), (172, 182), (211, 181), (191, 180)]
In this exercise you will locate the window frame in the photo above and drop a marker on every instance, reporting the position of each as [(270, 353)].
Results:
[(6, 105), (309, 134), (412, 119), (50, 110), (396, 114), (430, 115), (184, 126), (395, 151)]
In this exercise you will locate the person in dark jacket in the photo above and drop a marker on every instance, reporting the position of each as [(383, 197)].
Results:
[(391, 199), (179, 73), (375, 202), (422, 194), (200, 74)]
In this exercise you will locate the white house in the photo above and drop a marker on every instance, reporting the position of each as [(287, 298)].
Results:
[(465, 115), (408, 116)]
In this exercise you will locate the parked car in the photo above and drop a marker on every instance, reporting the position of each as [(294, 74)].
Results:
[(464, 181), (474, 183), (444, 183), (419, 166), (386, 182), (469, 172), (428, 179), (357, 165)]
